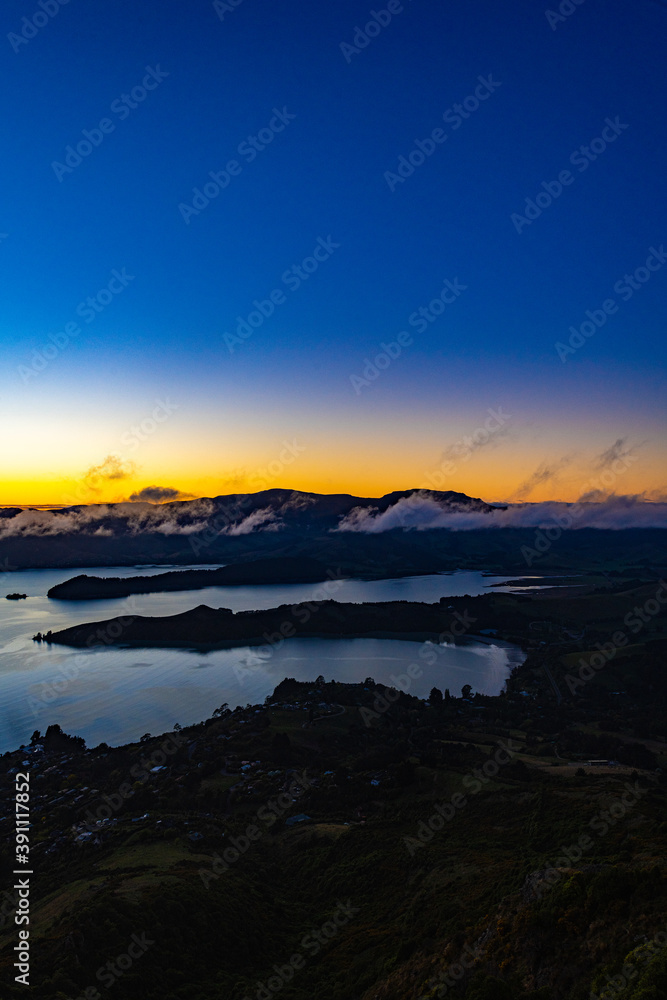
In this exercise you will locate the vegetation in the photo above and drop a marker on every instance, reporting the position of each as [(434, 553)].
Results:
[(352, 841)]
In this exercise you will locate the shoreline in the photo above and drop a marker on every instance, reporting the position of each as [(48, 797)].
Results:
[(416, 637)]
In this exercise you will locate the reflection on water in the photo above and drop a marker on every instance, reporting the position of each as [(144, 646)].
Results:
[(116, 695)]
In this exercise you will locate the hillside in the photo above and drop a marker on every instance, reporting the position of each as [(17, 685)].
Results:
[(352, 842)]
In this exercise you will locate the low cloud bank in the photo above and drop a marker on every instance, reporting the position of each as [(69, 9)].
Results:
[(109, 519), (137, 517), (418, 512), (259, 520), (423, 513)]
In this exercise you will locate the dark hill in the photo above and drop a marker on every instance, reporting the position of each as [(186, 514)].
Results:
[(221, 627), (288, 569)]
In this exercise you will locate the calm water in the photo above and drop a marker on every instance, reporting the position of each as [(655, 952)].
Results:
[(116, 695)]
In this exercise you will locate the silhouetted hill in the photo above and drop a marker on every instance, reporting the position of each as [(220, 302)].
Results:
[(288, 569), (220, 626), (396, 535)]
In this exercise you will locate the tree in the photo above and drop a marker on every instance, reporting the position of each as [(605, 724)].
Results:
[(465, 690), (435, 697), (35, 738), (56, 739)]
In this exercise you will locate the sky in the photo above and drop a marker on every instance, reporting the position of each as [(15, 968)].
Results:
[(332, 247)]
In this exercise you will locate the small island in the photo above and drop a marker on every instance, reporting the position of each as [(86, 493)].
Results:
[(16, 597)]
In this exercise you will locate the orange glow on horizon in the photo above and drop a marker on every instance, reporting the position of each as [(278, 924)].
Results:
[(495, 483)]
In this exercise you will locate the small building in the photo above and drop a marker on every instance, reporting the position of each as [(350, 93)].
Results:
[(299, 818)]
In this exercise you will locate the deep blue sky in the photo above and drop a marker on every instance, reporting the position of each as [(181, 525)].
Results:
[(324, 175)]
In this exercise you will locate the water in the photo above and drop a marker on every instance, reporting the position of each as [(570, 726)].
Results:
[(116, 695)]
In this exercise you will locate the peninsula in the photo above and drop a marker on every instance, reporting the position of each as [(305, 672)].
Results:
[(288, 569)]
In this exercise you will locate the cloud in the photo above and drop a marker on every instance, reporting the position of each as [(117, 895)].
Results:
[(173, 528), (543, 474), (467, 446), (234, 481), (158, 494), (136, 517), (112, 468), (110, 520), (259, 520), (618, 451), (418, 512), (613, 513)]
